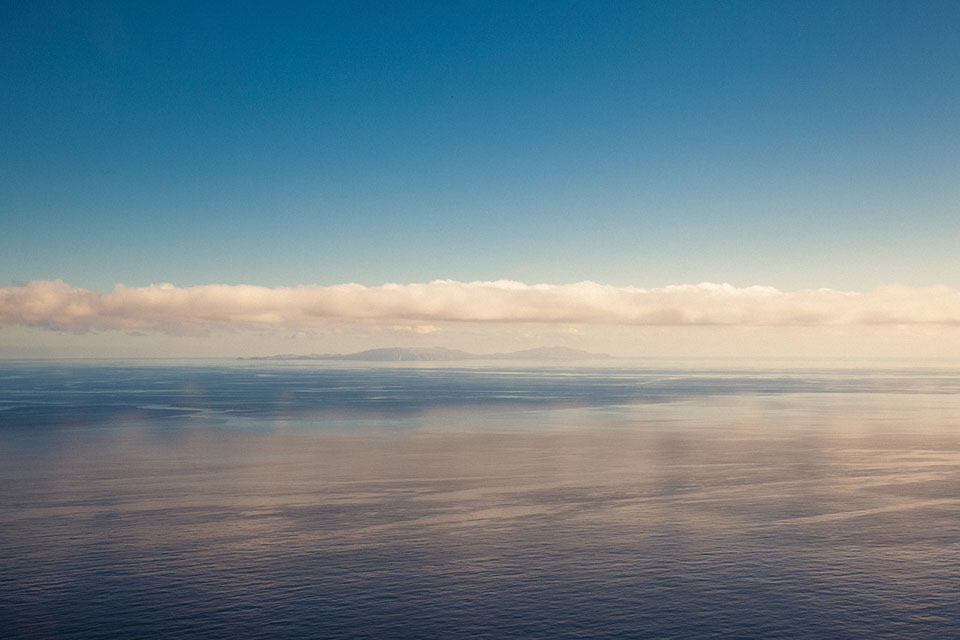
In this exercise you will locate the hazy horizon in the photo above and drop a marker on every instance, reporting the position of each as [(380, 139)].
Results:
[(53, 319)]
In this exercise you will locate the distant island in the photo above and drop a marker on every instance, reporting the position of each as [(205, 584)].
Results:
[(427, 354)]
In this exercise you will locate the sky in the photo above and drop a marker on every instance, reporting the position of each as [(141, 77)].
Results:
[(234, 165)]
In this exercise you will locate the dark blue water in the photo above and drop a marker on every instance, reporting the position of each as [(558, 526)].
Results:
[(642, 501)]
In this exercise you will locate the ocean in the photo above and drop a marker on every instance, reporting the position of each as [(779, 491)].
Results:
[(622, 499)]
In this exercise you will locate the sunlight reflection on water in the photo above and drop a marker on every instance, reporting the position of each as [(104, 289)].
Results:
[(219, 501)]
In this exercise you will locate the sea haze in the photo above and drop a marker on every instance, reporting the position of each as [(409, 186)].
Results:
[(479, 500)]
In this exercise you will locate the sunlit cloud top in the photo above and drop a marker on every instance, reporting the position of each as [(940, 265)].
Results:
[(164, 307)]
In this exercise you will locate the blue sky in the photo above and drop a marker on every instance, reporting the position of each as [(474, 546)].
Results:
[(796, 145), (787, 146)]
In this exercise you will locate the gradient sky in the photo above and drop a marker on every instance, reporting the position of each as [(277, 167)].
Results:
[(797, 145)]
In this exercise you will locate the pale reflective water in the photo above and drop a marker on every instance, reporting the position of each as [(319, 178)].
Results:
[(641, 501)]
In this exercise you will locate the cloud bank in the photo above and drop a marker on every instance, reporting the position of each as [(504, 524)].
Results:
[(57, 305)]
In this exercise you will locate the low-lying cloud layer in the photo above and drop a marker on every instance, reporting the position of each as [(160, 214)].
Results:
[(56, 305)]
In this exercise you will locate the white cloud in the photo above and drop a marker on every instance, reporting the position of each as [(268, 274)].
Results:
[(179, 310), (419, 330)]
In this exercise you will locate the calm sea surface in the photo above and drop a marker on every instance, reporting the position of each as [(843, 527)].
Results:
[(624, 500)]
